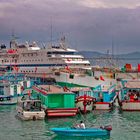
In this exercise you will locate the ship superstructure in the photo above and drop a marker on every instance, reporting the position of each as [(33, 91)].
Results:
[(30, 58)]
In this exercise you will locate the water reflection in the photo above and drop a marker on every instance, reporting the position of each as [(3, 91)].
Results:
[(80, 138), (125, 125)]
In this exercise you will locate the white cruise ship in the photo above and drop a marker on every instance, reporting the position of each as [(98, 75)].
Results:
[(69, 68), (30, 58)]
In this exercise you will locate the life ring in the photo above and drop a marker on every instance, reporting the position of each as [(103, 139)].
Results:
[(89, 103), (1, 99)]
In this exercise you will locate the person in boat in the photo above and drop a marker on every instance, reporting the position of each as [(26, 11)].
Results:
[(23, 97), (101, 97), (135, 97), (28, 106), (126, 97), (131, 97), (82, 125)]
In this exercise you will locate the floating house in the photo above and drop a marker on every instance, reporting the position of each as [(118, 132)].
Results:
[(55, 100)]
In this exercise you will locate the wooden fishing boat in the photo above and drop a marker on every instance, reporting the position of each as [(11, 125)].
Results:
[(9, 100), (102, 131)]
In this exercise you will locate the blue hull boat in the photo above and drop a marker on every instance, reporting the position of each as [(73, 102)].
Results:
[(82, 132)]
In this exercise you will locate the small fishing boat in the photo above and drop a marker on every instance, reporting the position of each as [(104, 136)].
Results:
[(9, 100), (130, 95), (84, 98), (102, 131), (105, 97), (12, 88), (30, 110)]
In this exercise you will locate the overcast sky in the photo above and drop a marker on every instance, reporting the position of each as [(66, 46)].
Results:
[(87, 24)]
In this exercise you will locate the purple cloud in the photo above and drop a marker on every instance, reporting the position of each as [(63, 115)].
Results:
[(87, 27)]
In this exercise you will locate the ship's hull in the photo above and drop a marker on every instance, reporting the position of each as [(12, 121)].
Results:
[(81, 132), (131, 105), (78, 80), (102, 106)]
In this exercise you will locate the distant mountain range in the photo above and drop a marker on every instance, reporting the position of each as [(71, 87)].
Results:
[(93, 54), (120, 59)]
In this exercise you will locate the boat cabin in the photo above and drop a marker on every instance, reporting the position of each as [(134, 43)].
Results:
[(130, 90), (105, 97), (30, 105)]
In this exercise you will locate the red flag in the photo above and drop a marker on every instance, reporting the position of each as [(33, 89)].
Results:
[(102, 78), (138, 67), (11, 51), (16, 68), (68, 69), (29, 93)]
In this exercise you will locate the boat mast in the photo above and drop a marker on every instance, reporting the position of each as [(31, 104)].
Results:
[(51, 31)]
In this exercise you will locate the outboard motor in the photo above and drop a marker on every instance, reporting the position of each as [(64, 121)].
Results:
[(108, 127)]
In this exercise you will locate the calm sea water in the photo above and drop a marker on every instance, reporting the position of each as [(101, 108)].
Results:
[(126, 125)]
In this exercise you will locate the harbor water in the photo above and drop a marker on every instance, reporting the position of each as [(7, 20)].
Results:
[(125, 125)]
